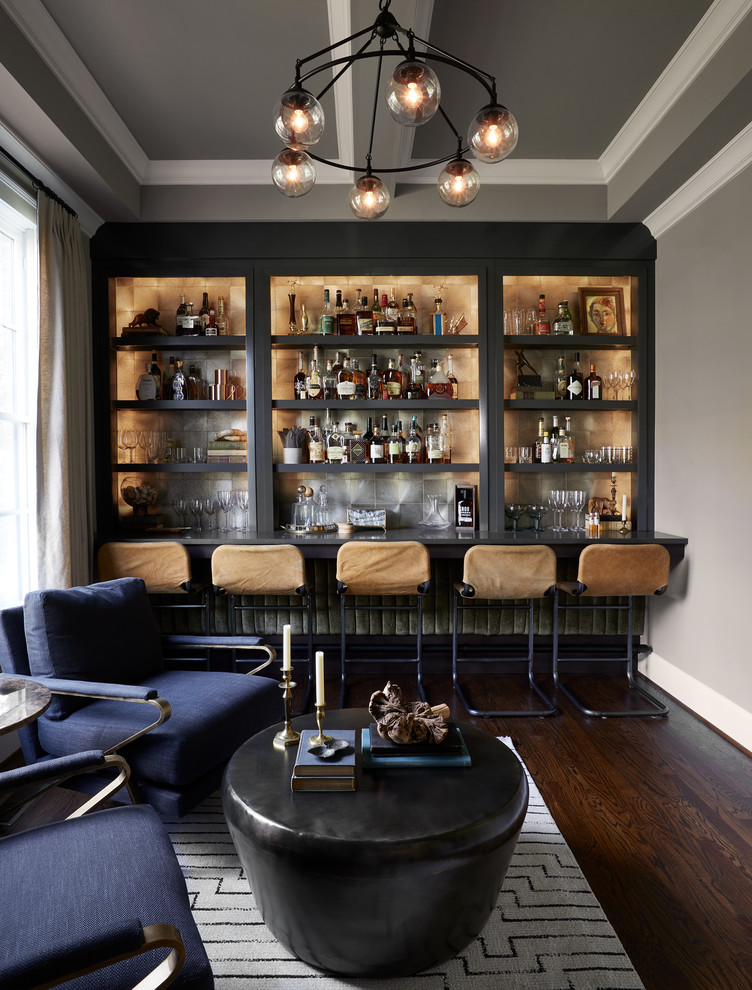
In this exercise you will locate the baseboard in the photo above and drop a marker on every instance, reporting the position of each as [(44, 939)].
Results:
[(728, 718)]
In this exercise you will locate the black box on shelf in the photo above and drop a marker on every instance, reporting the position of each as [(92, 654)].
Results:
[(465, 514)]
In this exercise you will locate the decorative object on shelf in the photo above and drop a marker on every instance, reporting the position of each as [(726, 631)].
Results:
[(407, 722), (464, 507), (434, 518), (138, 496), (145, 323), (366, 518), (293, 444), (413, 94), (526, 381), (602, 309)]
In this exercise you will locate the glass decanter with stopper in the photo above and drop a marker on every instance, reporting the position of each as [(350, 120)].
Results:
[(433, 518)]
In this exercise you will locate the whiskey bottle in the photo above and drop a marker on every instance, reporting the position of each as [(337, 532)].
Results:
[(382, 324), (414, 389), (326, 320), (434, 445), (364, 318), (566, 442), (414, 444), (538, 441), (446, 439), (593, 385), (336, 365), (146, 387), (563, 322), (403, 373), (439, 386), (374, 380), (222, 321), (315, 443), (561, 379), (413, 312), (392, 311), (194, 385), (392, 381), (451, 376), (360, 379), (203, 313), (438, 319), (330, 381), (377, 448), (345, 381), (314, 384), (542, 324), (346, 322), (211, 326), (395, 447), (574, 380), (546, 449), (405, 320), (299, 379), (334, 445), (191, 323)]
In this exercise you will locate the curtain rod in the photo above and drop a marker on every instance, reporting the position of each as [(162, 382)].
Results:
[(38, 184)]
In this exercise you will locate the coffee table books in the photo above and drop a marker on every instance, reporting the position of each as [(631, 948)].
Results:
[(316, 773), (379, 754)]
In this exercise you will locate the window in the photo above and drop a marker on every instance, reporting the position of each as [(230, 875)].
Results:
[(18, 364)]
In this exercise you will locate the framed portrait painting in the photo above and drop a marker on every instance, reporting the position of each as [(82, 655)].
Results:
[(602, 309)]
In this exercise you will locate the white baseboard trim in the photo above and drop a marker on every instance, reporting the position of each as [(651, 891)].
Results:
[(726, 716)]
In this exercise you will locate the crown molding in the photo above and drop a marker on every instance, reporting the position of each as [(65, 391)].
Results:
[(712, 32), (722, 168)]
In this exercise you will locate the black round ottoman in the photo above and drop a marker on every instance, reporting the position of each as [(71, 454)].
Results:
[(388, 880)]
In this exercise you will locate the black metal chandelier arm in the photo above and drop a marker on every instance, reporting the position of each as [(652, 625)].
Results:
[(376, 92), (347, 60), (324, 51), (444, 56), (386, 171)]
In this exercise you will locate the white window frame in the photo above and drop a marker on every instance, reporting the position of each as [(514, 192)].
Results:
[(20, 323)]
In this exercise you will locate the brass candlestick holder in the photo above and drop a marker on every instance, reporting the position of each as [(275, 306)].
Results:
[(321, 736), (287, 736)]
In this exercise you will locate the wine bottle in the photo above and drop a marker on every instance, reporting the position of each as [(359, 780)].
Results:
[(574, 379), (593, 385)]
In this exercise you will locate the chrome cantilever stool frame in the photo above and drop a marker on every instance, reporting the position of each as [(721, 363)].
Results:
[(499, 575), (607, 570), (399, 569)]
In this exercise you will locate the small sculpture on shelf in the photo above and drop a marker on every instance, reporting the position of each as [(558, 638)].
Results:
[(140, 496), (407, 721), (149, 319)]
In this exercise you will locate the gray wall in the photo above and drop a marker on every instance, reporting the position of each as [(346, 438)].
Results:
[(700, 631)]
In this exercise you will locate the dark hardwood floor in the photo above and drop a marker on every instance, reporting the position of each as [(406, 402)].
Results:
[(658, 813)]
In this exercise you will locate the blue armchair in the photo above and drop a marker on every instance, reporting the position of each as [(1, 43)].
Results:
[(99, 651), (101, 895)]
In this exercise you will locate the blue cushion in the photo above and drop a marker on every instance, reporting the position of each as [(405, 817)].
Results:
[(102, 632), (74, 879), (213, 713)]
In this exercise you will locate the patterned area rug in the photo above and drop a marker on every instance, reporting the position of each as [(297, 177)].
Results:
[(547, 932)]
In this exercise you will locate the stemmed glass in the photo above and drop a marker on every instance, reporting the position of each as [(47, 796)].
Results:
[(576, 502), (536, 513), (210, 511), (632, 376), (557, 500), (609, 380), (128, 441), (241, 499), (182, 508), (224, 499), (514, 511), (197, 508)]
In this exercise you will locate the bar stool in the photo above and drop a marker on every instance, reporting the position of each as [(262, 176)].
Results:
[(165, 569), (257, 571), (402, 569), (500, 574), (622, 571)]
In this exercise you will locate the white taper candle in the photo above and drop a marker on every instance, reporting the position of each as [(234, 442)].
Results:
[(624, 508), (320, 678), (286, 648)]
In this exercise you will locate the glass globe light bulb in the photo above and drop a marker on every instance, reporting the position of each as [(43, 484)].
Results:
[(369, 198), (459, 183), (493, 133), (293, 172), (298, 119), (412, 94)]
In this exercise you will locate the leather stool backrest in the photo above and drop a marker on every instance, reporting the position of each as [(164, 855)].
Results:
[(400, 568), (259, 570), (508, 572), (165, 567), (608, 569)]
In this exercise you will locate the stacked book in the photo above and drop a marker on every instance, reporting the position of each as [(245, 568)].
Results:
[(315, 773), (383, 754)]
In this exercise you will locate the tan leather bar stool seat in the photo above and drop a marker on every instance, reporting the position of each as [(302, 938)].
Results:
[(501, 576), (613, 570), (257, 571), (400, 569), (165, 569)]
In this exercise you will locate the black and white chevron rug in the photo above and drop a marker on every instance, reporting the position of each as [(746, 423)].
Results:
[(547, 932)]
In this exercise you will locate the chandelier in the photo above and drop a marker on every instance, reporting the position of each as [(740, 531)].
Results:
[(412, 95)]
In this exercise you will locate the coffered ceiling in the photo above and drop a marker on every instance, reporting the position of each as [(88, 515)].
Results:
[(162, 110)]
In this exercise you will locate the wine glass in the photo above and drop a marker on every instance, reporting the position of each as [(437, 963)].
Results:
[(632, 375), (197, 508), (224, 499), (557, 500), (576, 502), (210, 511), (241, 499), (182, 508), (514, 510), (536, 513), (609, 381), (128, 441)]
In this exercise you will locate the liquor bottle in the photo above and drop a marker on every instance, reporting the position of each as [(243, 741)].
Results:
[(211, 326), (345, 381), (377, 450), (434, 445), (146, 387), (403, 373), (315, 443), (439, 386), (413, 444), (223, 324), (348, 435), (574, 380), (566, 442), (392, 311), (336, 365), (382, 323), (157, 372), (305, 320), (555, 435), (593, 385), (167, 380), (392, 381), (195, 382), (414, 389), (338, 306), (334, 445), (346, 322), (563, 322), (364, 318), (178, 383), (330, 381), (299, 379), (420, 371), (438, 319), (413, 312), (360, 379), (358, 451), (326, 320), (376, 308), (314, 384), (446, 439), (538, 441), (367, 437), (451, 376), (203, 313), (406, 320), (395, 447), (543, 324), (374, 380), (561, 379), (181, 312), (546, 449)]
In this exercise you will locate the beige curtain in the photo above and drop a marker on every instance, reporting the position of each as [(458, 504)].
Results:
[(65, 442)]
